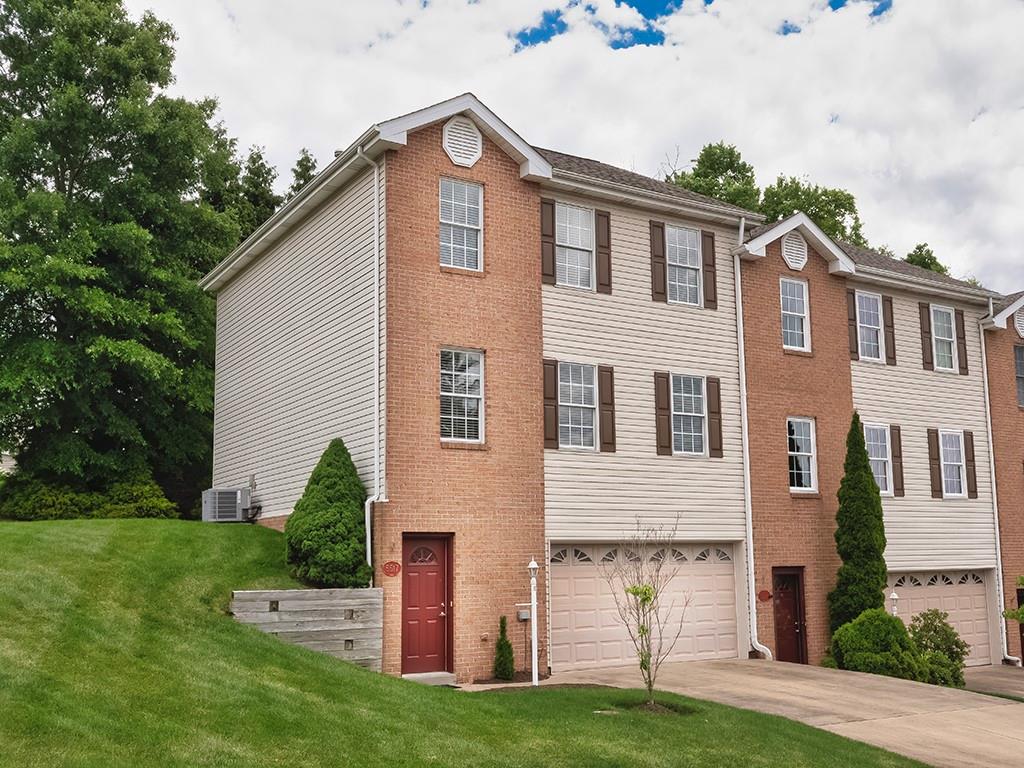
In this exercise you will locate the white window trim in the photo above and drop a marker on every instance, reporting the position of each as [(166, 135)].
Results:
[(814, 454), (887, 429), (593, 247), (480, 229), (807, 314), (963, 464), (595, 448), (483, 395), (673, 414), (700, 267), (881, 327), (935, 355), (1017, 377)]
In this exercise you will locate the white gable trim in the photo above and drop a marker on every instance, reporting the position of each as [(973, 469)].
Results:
[(531, 165), (839, 262), (1002, 319)]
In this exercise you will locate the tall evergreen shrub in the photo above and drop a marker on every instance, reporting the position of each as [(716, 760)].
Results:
[(504, 662)]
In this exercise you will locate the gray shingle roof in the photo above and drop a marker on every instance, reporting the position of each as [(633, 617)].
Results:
[(609, 173), (1006, 301)]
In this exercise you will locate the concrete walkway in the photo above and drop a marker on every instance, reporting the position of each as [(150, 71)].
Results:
[(1002, 680), (939, 726)]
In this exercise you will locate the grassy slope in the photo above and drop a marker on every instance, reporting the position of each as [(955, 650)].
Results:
[(115, 650)]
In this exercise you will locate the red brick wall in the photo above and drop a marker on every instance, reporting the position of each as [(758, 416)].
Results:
[(1007, 432), (790, 529), (491, 498)]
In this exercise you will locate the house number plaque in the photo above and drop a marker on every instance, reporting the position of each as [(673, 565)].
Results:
[(391, 568)]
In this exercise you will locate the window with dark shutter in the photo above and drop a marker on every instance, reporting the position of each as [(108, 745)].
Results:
[(663, 413), (715, 446), (606, 394), (896, 440), (707, 247), (659, 289), (851, 323), (971, 466), (888, 319), (961, 342), (927, 355), (547, 241), (550, 403), (604, 251), (934, 462)]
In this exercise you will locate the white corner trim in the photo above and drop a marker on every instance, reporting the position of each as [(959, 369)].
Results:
[(839, 262)]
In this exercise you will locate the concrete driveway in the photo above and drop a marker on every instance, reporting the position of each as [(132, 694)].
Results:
[(939, 726)]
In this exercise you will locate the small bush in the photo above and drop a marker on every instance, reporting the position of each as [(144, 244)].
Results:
[(933, 634), (504, 661), (326, 533), (939, 669), (24, 497), (879, 643)]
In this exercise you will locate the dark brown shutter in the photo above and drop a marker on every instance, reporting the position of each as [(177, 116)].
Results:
[(547, 241), (889, 323), (659, 290), (663, 413), (851, 323), (550, 403), (604, 251), (935, 463), (926, 336), (961, 342), (707, 248), (896, 447), (715, 448), (606, 392), (971, 466)]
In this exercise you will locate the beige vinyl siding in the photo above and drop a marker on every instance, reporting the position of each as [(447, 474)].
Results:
[(295, 354), (923, 532), (598, 496)]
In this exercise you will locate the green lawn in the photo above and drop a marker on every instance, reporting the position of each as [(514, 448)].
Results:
[(115, 650)]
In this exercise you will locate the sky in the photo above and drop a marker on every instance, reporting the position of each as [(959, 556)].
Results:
[(914, 106)]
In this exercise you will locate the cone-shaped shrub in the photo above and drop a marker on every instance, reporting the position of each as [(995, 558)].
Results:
[(860, 537), (504, 662), (326, 533)]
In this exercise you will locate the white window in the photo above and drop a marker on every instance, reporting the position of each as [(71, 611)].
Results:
[(944, 339), (803, 468), (462, 206), (795, 315), (577, 405), (869, 326), (462, 395), (574, 246), (1019, 357), (953, 469), (877, 439), (683, 260), (688, 411)]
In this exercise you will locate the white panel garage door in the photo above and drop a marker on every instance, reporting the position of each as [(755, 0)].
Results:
[(960, 594), (585, 627)]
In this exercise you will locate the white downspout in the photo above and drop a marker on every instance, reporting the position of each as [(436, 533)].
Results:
[(747, 501), (1000, 595), (376, 495)]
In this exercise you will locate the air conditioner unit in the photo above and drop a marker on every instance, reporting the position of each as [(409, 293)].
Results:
[(226, 505)]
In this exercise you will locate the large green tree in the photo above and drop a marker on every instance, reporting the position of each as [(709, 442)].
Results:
[(259, 201), (834, 210), (106, 341), (303, 172), (721, 172), (923, 256)]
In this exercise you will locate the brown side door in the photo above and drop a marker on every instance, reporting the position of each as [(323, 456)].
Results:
[(425, 604), (790, 627)]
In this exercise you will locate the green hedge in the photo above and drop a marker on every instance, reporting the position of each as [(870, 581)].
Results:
[(879, 643), (25, 498)]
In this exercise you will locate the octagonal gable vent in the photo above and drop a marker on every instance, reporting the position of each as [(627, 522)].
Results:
[(462, 141), (794, 250), (1018, 320)]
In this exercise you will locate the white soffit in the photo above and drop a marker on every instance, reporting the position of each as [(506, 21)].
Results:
[(839, 262)]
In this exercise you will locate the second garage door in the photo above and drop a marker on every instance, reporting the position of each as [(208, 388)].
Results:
[(585, 628)]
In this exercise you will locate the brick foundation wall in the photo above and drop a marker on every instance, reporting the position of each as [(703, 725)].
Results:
[(490, 497), (1007, 429), (793, 530)]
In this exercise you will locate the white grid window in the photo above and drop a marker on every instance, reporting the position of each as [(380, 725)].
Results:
[(869, 326), (794, 315), (461, 216), (688, 411), (462, 395), (574, 246), (953, 469), (682, 251), (877, 440), (577, 405), (803, 470), (1019, 353), (944, 339)]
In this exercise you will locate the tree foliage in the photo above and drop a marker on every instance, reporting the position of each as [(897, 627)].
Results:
[(303, 172), (860, 536), (923, 256), (721, 172), (258, 199), (504, 659), (834, 210), (105, 225)]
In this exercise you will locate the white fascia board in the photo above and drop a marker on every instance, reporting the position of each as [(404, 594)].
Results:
[(883, 277), (531, 165), (1002, 319), (839, 262)]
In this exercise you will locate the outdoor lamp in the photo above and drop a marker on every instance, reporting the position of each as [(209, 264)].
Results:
[(895, 599)]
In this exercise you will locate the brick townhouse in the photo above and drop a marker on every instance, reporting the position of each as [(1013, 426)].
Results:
[(529, 353)]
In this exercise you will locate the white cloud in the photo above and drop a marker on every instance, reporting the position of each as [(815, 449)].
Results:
[(919, 112)]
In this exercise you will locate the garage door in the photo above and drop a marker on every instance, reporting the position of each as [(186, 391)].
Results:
[(961, 594), (585, 628)]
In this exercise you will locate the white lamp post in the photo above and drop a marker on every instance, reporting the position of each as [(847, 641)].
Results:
[(895, 599), (533, 568)]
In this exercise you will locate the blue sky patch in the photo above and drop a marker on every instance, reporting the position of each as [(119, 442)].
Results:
[(789, 28), (881, 6), (551, 25)]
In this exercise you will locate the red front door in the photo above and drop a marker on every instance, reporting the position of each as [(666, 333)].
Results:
[(790, 627), (426, 605)]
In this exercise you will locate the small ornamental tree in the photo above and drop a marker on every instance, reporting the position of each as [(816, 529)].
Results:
[(860, 537), (326, 534), (504, 660)]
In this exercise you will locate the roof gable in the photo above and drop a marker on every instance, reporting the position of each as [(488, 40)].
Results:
[(1003, 310), (838, 261)]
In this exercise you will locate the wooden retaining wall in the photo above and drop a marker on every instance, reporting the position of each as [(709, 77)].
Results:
[(347, 623)]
